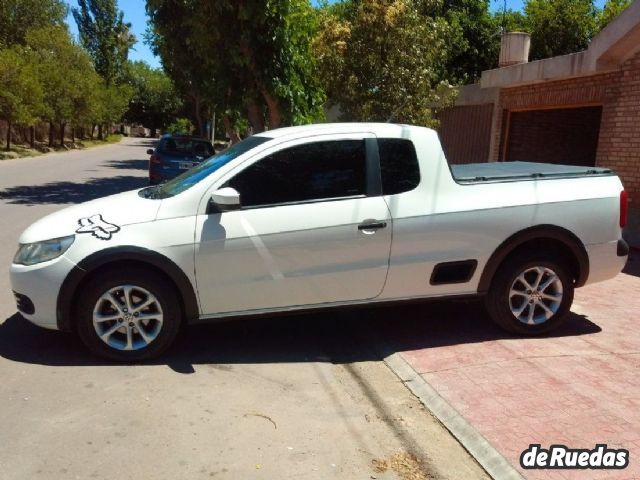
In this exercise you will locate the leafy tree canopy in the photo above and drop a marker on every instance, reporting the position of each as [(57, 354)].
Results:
[(155, 101), (105, 35), (17, 17), (245, 56), (386, 61)]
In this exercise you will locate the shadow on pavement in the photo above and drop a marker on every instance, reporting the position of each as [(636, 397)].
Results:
[(339, 337), (134, 164), (70, 192)]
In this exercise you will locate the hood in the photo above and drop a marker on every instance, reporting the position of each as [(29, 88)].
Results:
[(108, 213)]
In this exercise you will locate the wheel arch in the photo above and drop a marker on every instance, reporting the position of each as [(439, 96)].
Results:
[(548, 235), (111, 257)]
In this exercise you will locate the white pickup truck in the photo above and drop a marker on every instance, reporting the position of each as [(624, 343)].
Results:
[(321, 216)]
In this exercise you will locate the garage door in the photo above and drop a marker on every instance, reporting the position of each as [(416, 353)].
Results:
[(566, 135)]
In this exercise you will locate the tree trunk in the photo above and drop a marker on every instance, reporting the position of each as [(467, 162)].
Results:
[(8, 135), (273, 105), (198, 115), (100, 135), (62, 125), (51, 134), (93, 129), (231, 132), (256, 117), (73, 134), (32, 136)]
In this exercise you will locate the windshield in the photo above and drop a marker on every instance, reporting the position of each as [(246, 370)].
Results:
[(186, 146), (203, 170)]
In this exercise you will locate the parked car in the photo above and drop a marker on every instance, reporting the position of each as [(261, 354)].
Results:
[(321, 216), (174, 154)]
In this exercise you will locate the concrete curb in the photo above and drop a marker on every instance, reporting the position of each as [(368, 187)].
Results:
[(488, 457)]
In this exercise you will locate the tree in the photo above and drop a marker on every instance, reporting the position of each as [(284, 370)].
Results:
[(66, 74), (387, 63), (17, 17), (113, 103), (21, 92), (105, 35), (473, 39), (180, 125), (155, 102), (559, 27), (250, 56), (611, 10)]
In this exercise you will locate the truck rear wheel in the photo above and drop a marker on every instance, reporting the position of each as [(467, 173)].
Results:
[(530, 294)]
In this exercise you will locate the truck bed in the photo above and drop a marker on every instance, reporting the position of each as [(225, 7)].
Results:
[(518, 171)]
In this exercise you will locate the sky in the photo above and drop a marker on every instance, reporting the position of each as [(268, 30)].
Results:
[(134, 13)]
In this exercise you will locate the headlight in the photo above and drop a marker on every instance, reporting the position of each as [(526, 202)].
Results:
[(38, 252)]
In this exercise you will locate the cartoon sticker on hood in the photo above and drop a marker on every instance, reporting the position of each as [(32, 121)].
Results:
[(98, 227)]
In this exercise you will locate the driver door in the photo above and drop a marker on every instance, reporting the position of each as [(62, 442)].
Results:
[(311, 230)]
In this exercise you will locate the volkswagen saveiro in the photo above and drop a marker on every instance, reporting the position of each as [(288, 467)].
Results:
[(321, 216)]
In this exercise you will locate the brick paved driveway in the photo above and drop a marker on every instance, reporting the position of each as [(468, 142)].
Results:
[(578, 387)]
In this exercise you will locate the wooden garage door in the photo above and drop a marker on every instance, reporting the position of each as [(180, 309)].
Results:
[(568, 136), (465, 133)]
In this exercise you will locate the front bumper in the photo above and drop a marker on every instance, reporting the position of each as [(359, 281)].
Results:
[(36, 289)]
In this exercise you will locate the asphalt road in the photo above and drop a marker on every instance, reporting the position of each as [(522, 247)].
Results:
[(291, 397)]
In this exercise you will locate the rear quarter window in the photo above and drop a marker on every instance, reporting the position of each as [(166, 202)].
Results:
[(398, 165)]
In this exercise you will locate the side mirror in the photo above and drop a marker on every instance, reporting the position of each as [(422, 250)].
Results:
[(226, 199), (150, 151)]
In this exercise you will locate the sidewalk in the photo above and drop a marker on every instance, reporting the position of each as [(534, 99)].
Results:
[(578, 387)]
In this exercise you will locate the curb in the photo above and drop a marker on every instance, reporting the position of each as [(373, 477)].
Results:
[(490, 459)]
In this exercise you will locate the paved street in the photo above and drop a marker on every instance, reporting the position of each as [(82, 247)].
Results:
[(577, 387), (290, 397)]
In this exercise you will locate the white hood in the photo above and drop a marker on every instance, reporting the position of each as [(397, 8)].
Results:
[(116, 210)]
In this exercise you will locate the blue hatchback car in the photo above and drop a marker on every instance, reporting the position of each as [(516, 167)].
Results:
[(175, 154)]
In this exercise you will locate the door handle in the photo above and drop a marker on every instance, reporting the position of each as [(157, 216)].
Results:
[(372, 225)]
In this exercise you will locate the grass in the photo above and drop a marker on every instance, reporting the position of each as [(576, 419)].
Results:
[(21, 151)]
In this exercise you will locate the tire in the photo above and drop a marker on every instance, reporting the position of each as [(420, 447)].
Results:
[(510, 299), (148, 322)]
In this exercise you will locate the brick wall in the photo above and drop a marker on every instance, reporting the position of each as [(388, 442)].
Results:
[(619, 145), (619, 95)]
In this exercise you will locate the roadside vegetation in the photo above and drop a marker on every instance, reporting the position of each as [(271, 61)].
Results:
[(247, 66)]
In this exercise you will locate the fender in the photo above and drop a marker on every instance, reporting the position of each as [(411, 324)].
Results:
[(132, 253), (539, 232)]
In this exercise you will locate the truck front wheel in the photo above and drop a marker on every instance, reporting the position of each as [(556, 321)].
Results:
[(530, 295), (128, 315)]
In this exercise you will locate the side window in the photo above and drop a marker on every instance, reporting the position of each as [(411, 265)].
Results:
[(398, 165), (321, 170)]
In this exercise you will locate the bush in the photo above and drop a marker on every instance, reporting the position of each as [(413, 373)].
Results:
[(180, 125)]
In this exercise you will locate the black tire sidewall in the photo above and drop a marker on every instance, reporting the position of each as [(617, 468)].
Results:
[(498, 298), (103, 282)]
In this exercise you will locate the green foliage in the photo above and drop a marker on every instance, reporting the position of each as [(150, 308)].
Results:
[(510, 21), (154, 102), (21, 92), (17, 17), (180, 125), (472, 42), (387, 61), (66, 74), (113, 103), (559, 27), (611, 10), (105, 35), (243, 56)]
